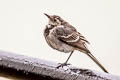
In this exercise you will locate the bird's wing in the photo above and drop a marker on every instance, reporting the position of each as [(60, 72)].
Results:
[(76, 40), (69, 34), (73, 38)]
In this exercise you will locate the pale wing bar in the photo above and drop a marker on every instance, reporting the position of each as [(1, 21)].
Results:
[(74, 37)]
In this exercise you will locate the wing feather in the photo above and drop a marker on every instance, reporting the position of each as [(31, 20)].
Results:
[(74, 37)]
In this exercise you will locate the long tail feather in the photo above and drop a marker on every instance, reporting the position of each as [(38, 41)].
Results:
[(97, 62)]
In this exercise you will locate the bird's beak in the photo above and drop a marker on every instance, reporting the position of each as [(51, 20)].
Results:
[(48, 16)]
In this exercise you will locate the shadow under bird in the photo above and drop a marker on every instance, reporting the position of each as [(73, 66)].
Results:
[(62, 36)]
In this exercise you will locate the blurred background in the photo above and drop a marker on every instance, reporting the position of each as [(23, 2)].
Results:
[(22, 23)]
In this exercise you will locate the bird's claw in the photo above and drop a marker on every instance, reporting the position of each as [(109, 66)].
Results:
[(62, 65)]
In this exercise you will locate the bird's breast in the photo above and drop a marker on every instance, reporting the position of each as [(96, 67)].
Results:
[(58, 45), (54, 42)]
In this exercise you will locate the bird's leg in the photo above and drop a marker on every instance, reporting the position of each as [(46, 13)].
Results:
[(65, 63), (69, 57)]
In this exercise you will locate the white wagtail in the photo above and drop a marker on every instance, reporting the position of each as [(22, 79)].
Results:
[(62, 36)]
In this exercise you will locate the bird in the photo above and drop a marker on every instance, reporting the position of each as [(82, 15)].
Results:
[(63, 37)]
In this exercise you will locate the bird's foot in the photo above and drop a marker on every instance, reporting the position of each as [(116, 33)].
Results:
[(62, 65)]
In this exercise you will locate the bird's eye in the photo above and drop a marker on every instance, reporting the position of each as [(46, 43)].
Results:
[(55, 20)]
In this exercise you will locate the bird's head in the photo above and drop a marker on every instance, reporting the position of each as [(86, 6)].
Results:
[(54, 20)]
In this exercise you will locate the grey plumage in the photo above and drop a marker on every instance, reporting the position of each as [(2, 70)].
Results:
[(62, 36)]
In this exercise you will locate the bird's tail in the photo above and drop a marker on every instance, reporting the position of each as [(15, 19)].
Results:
[(96, 61), (83, 48)]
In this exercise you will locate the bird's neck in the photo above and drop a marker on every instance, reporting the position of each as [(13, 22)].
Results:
[(51, 26), (47, 29)]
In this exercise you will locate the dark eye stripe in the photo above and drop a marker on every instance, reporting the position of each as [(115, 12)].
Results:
[(54, 20)]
